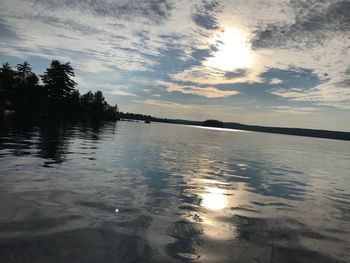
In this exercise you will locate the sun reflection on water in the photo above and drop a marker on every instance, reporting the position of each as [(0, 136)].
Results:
[(214, 198)]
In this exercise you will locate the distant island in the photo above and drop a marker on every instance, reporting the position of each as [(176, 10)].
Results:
[(57, 98), (213, 123)]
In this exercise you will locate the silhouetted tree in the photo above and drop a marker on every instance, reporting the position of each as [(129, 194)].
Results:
[(74, 103), (111, 112), (25, 76), (86, 101), (7, 85), (98, 104), (57, 80), (21, 91), (26, 88)]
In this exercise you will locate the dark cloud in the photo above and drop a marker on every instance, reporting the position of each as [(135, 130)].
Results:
[(7, 32), (169, 60), (235, 74), (302, 78), (154, 10), (205, 15), (315, 21), (346, 82), (66, 23)]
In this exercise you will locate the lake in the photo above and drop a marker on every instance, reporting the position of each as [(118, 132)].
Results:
[(135, 192)]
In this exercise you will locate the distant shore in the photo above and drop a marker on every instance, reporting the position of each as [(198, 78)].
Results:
[(325, 134)]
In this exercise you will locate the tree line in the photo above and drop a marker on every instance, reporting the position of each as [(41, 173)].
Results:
[(213, 123), (52, 94)]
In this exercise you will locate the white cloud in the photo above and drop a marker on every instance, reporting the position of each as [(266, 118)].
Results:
[(166, 104), (287, 110), (209, 76), (327, 94), (93, 66), (208, 92), (117, 90), (122, 93), (204, 108), (275, 81)]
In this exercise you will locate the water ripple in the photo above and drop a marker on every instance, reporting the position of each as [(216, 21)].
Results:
[(129, 192)]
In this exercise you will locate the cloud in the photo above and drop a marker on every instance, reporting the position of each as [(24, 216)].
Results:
[(117, 90), (208, 92), (183, 106), (166, 104), (205, 15), (326, 94), (289, 93), (122, 93), (7, 31), (314, 22), (235, 74), (287, 110), (154, 10), (275, 81), (122, 34), (93, 66), (209, 76)]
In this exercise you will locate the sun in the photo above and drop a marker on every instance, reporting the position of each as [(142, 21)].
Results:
[(233, 51)]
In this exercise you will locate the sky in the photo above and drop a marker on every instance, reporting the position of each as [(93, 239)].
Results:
[(277, 63)]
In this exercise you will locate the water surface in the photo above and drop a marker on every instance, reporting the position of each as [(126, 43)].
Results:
[(133, 192)]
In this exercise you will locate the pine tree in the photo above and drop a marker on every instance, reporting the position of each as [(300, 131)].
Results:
[(57, 80)]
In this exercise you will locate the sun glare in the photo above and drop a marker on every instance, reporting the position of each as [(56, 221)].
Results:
[(233, 51)]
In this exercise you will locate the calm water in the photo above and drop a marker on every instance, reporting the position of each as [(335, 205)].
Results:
[(132, 192)]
